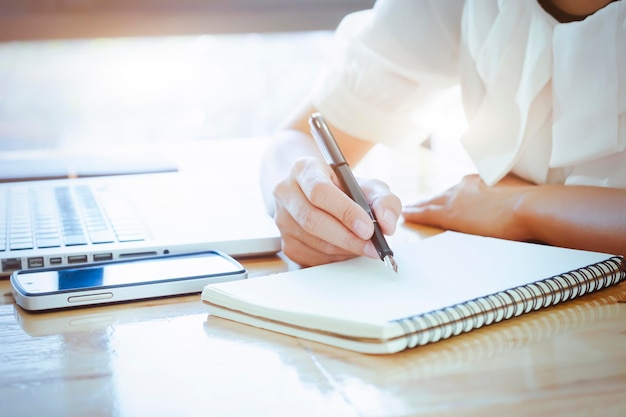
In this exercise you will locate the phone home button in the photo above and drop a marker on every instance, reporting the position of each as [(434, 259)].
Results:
[(90, 297)]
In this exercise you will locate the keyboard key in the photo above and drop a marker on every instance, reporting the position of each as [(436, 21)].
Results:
[(75, 240), (104, 236), (21, 244), (131, 237), (49, 242), (20, 235)]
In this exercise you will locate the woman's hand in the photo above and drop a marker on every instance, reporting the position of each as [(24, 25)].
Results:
[(575, 216), (319, 223), (473, 207)]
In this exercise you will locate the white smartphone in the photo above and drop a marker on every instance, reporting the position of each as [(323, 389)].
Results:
[(125, 280)]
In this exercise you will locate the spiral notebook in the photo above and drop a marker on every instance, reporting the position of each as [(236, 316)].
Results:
[(446, 285)]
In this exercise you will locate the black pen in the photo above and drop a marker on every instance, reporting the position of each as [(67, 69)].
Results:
[(334, 157)]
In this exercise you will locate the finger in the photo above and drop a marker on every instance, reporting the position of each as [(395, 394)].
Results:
[(305, 255), (319, 184), (291, 232), (303, 221), (426, 214), (304, 248), (386, 205)]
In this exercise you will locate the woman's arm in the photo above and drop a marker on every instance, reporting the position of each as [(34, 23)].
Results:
[(582, 217)]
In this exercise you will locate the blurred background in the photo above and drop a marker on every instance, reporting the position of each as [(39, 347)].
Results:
[(84, 73)]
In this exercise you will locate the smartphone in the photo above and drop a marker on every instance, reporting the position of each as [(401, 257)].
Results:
[(125, 280)]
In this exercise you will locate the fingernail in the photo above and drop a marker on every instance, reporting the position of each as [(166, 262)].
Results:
[(364, 230)]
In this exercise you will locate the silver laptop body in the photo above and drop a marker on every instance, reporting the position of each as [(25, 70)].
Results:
[(85, 220)]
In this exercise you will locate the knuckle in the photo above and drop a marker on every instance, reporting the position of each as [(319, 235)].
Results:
[(308, 220), (350, 215), (317, 191)]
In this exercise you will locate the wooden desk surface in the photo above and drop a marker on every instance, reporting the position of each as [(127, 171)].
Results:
[(168, 357)]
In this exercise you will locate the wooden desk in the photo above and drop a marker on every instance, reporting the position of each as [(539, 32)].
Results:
[(168, 357)]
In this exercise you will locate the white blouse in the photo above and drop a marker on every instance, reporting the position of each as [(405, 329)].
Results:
[(544, 100)]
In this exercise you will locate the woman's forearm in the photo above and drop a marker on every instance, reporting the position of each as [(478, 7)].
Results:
[(582, 217)]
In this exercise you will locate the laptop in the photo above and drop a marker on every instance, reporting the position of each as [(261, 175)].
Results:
[(78, 221)]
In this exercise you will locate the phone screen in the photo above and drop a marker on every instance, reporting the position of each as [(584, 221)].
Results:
[(126, 273)]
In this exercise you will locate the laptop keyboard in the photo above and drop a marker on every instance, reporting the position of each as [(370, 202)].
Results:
[(51, 217)]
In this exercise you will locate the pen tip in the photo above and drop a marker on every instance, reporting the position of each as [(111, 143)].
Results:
[(391, 263)]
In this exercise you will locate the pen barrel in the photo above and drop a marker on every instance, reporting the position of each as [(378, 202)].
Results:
[(352, 189), (379, 241), (351, 186)]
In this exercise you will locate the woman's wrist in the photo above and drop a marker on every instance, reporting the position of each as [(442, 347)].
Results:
[(529, 217)]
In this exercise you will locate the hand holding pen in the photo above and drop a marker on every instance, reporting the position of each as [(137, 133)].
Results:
[(334, 157)]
